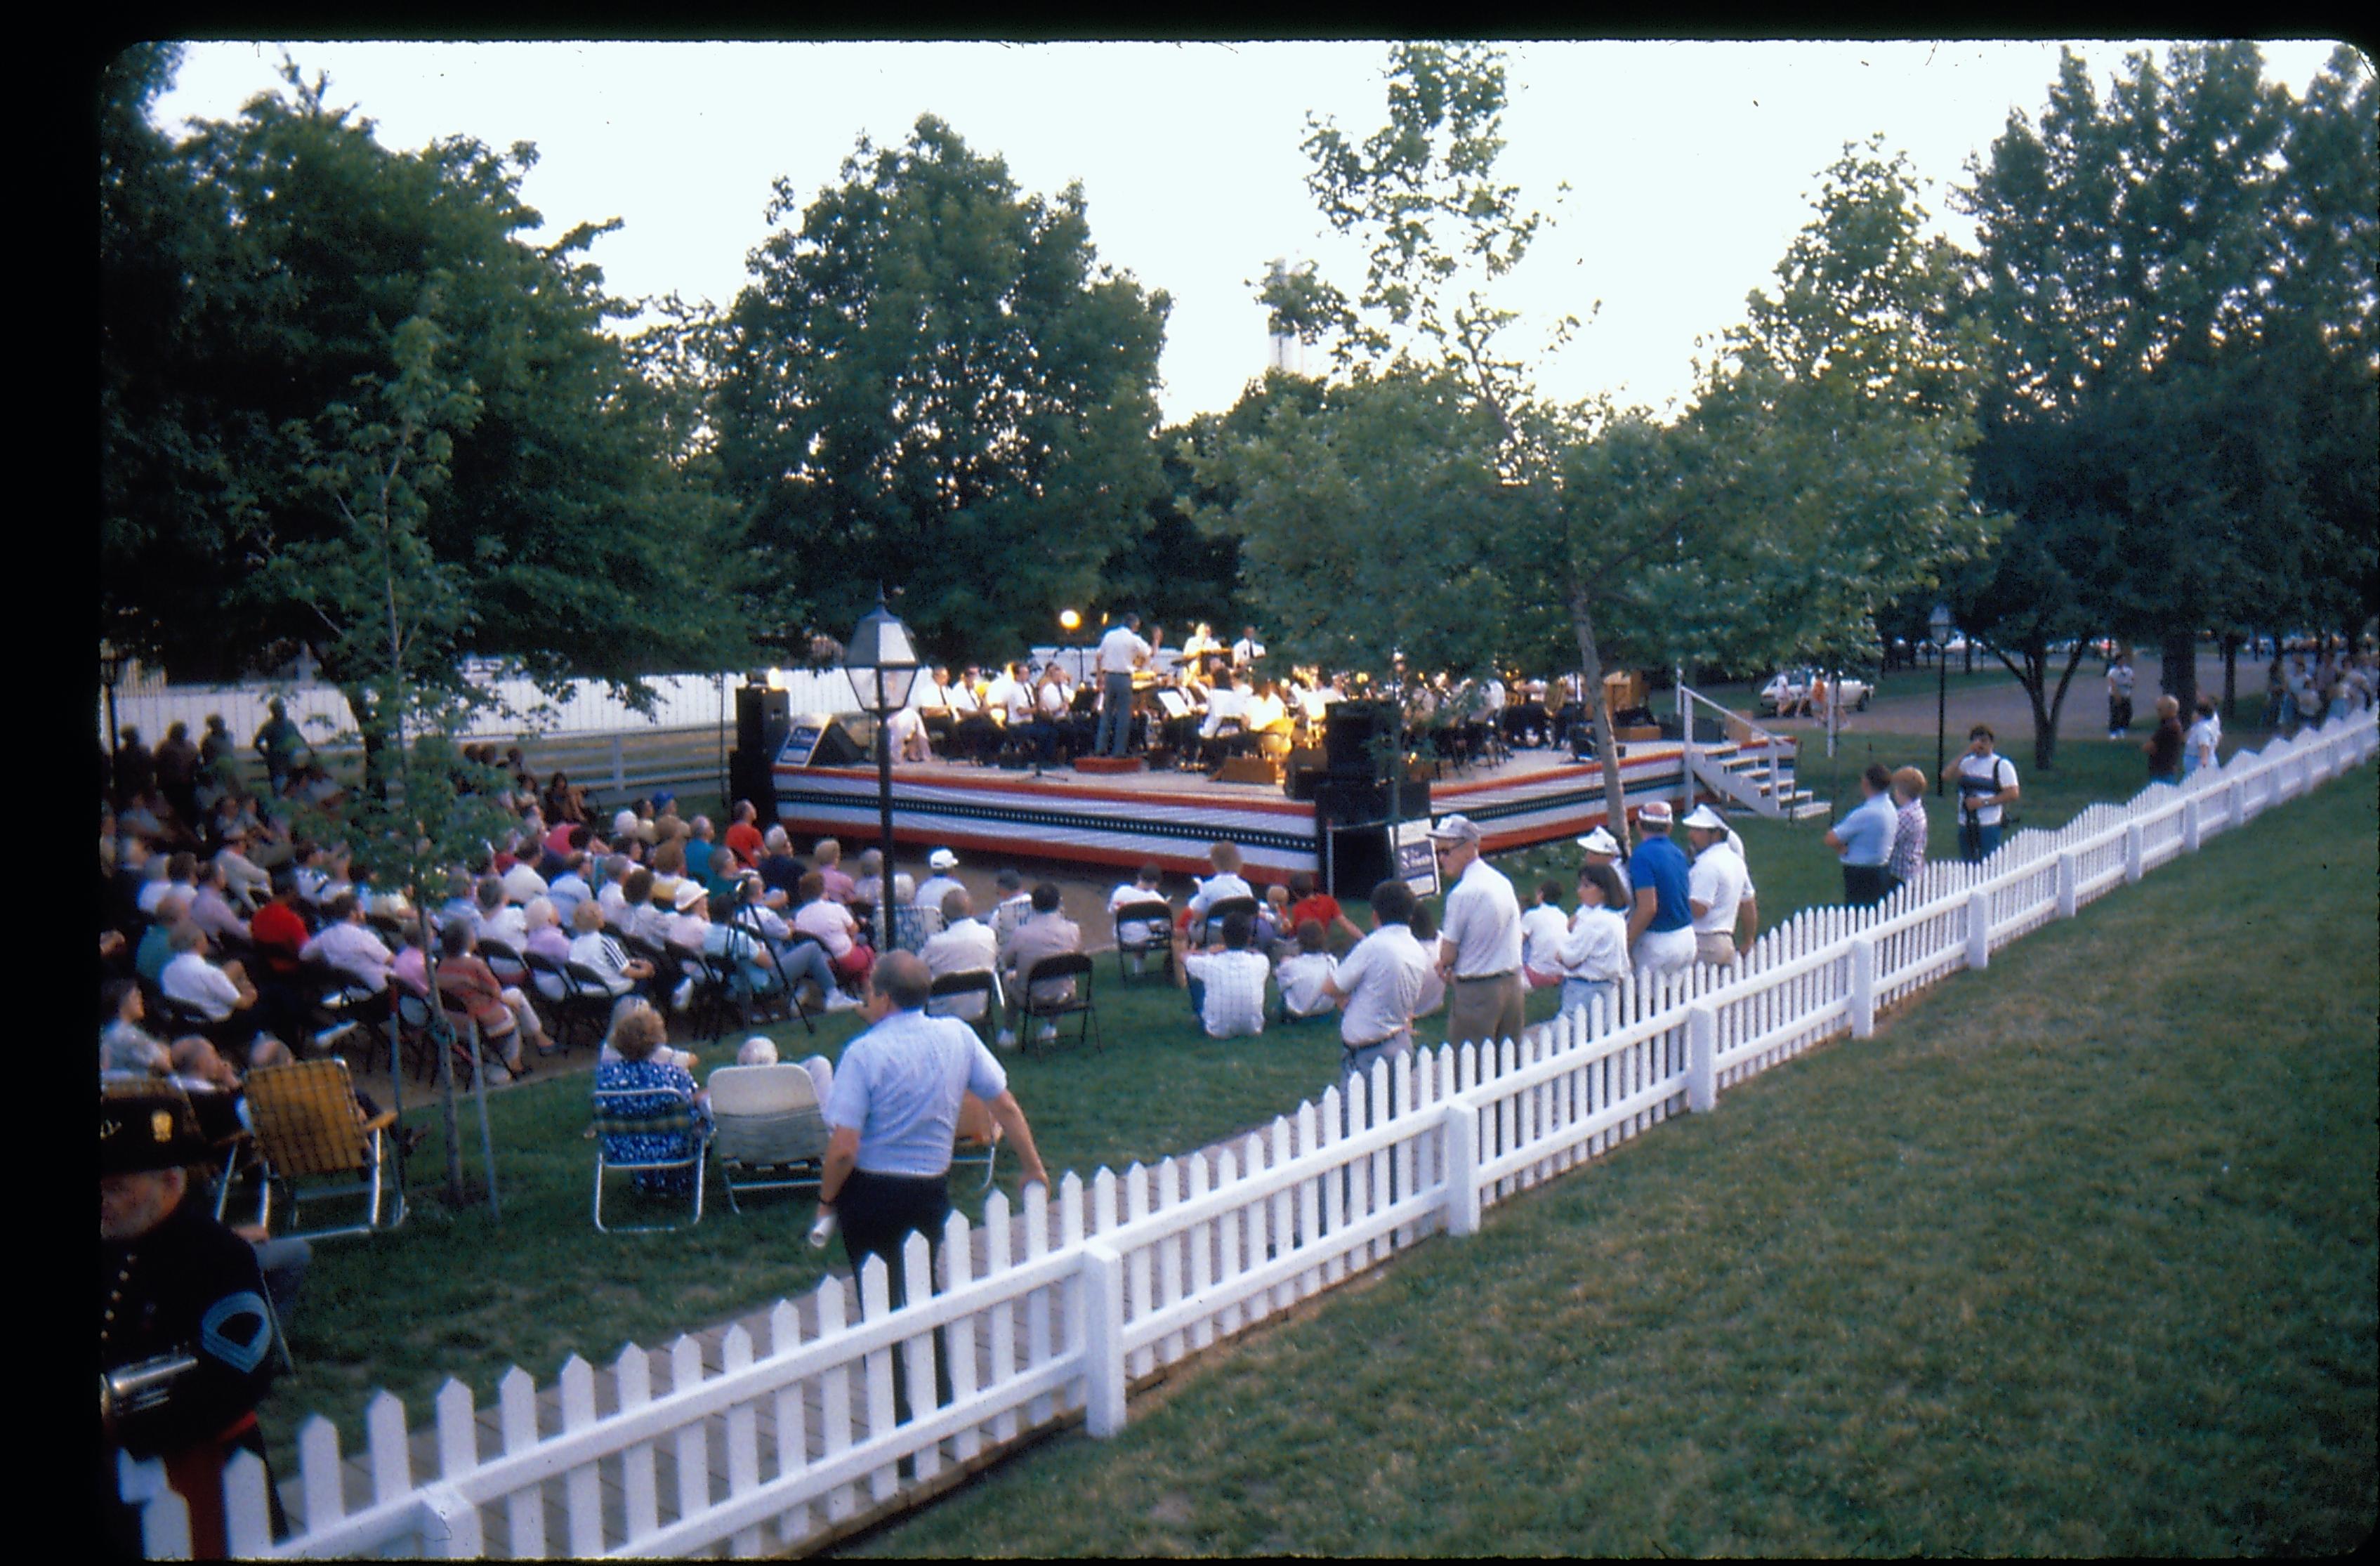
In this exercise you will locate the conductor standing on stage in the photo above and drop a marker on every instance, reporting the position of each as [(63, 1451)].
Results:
[(1120, 652)]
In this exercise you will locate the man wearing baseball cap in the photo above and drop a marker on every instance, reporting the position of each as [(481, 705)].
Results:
[(185, 1334), (942, 883), (1479, 942), (1660, 928), (1715, 885)]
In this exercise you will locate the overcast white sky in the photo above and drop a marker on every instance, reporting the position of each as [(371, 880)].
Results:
[(1690, 165)]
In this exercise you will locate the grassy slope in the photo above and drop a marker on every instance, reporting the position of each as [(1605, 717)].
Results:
[(2076, 1257)]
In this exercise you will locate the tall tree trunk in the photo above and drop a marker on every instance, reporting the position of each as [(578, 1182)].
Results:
[(2230, 674), (2180, 674), (1606, 744)]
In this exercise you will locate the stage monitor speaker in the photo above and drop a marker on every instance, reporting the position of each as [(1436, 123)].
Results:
[(1306, 769), (1349, 732), (816, 742)]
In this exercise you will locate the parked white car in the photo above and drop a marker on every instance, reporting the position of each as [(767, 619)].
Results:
[(1789, 692)]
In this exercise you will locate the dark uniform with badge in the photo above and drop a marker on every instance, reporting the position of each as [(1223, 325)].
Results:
[(186, 1348)]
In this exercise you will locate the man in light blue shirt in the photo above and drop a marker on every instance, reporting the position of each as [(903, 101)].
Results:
[(1864, 839), (894, 1110)]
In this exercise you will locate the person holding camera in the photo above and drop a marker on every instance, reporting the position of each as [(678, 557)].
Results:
[(1986, 784)]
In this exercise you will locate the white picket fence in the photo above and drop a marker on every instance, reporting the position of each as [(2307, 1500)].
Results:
[(1078, 1300), (680, 701)]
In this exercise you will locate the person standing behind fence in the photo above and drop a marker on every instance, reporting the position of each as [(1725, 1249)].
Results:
[(1479, 953), (1594, 955), (278, 742), (2164, 748), (1909, 829), (1378, 983), (1864, 839), (1660, 927), (1986, 784), (1716, 882), (1121, 652)]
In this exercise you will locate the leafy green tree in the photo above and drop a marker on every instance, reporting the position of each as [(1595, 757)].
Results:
[(573, 538), (933, 384), (2177, 280)]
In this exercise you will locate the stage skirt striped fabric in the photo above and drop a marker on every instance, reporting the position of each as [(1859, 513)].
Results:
[(1125, 823)]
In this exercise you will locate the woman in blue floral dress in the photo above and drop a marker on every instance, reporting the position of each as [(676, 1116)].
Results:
[(654, 1081)]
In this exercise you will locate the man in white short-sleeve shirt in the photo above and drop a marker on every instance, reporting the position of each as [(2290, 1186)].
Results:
[(1715, 884), (1479, 942), (893, 1112), (1378, 984)]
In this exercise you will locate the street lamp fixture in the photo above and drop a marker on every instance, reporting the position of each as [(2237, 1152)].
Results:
[(881, 663), (111, 674), (1939, 623)]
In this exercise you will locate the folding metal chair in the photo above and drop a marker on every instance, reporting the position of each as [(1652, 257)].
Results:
[(306, 1125), (1030, 1010), (1154, 917), (948, 989), (768, 1130), (977, 1139), (581, 1004), (681, 1144), (1211, 925)]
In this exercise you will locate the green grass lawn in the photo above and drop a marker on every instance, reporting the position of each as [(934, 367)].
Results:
[(404, 1310), (2075, 1256)]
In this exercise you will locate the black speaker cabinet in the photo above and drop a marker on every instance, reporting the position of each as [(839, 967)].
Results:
[(762, 721)]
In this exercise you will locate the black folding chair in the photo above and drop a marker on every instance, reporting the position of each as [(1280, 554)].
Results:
[(1155, 915), (977, 981), (1220, 910), (1030, 1011)]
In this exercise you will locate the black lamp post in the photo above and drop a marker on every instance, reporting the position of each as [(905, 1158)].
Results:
[(881, 661), (1940, 623)]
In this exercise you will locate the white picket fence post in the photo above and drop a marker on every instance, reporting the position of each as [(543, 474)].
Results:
[(1103, 1370), (2066, 889), (1863, 986), (2132, 869), (1702, 1045), (1979, 929), (1461, 1134)]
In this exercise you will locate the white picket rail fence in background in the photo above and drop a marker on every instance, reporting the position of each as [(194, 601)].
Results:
[(680, 701), (1127, 1273)]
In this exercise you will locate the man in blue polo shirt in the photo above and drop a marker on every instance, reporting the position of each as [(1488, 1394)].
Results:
[(1864, 839), (894, 1110), (1661, 926)]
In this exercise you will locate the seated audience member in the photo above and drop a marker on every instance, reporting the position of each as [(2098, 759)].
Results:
[(127, 1049), (211, 911), (963, 944), (828, 866), (1143, 888), (689, 920), (1225, 882), (467, 984), (568, 888), (637, 1062), (1226, 983), (243, 880), (604, 956), (633, 1013), (1276, 931), (612, 897), (1045, 932), (181, 875), (565, 802), (346, 944), (867, 889), (311, 866), (780, 869), (1308, 900), (942, 883), (497, 918), (1304, 978), (744, 833), (1542, 929), (643, 916), (216, 995), (156, 948), (906, 730), (1014, 903), (828, 918), (798, 957), (280, 935), (721, 875), (462, 905), (762, 1051), (547, 943)]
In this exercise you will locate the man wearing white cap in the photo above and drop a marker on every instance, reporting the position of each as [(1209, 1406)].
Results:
[(1714, 887), (1479, 942), (1662, 927), (942, 883)]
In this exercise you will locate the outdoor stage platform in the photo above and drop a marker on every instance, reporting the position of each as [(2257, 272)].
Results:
[(1536, 797)]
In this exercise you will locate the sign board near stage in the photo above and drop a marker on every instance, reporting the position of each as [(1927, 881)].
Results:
[(1416, 860)]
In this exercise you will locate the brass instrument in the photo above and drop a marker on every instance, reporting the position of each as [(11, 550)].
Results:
[(145, 1384)]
